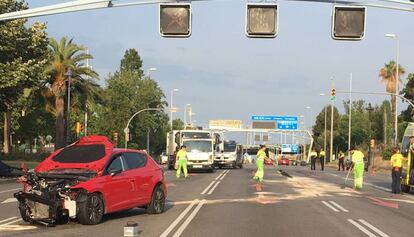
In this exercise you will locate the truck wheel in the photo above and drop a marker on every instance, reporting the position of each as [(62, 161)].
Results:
[(91, 211), (157, 204), (405, 188)]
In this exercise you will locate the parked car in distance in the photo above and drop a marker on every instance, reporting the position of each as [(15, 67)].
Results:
[(88, 179), (283, 161)]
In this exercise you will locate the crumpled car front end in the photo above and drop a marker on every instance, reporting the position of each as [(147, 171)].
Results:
[(48, 198)]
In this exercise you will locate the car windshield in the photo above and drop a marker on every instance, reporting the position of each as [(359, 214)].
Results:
[(80, 154), (229, 147), (198, 146)]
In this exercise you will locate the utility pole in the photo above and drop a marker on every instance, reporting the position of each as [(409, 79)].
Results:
[(350, 116), (332, 110)]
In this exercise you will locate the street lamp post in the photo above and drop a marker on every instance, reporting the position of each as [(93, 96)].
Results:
[(126, 129), (324, 133), (185, 113), (69, 75), (151, 70), (370, 109), (311, 120), (397, 77), (171, 108)]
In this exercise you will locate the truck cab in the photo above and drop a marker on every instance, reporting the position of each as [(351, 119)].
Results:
[(231, 155)]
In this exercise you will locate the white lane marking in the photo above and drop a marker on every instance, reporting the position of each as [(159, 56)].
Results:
[(380, 188), (10, 190), (219, 175), (214, 187), (208, 187), (338, 206), (9, 200), (330, 206), (179, 218), (11, 222), (222, 177), (189, 219), (373, 228), (8, 219), (361, 228)]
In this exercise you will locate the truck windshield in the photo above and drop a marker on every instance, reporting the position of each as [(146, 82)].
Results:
[(198, 146), (229, 147)]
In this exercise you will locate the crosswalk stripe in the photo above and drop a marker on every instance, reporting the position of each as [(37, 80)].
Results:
[(373, 228), (8, 219), (361, 228), (338, 206), (330, 206)]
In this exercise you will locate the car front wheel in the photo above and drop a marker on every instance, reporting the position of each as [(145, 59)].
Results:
[(91, 211), (157, 204)]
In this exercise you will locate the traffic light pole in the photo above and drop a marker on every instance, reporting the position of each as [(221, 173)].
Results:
[(84, 5)]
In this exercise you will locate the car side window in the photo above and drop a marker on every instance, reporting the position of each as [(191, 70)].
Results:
[(116, 164), (135, 160)]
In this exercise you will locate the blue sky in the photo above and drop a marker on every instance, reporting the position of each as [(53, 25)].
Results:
[(224, 74)]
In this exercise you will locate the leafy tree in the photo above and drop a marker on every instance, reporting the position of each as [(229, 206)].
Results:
[(22, 59), (319, 127), (408, 92), (65, 55), (178, 124), (128, 92), (388, 75)]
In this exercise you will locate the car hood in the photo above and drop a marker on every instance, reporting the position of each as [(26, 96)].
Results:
[(90, 153)]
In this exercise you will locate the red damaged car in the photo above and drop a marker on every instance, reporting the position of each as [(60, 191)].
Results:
[(88, 179)]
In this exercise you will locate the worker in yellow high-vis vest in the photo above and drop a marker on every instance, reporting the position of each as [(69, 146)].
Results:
[(181, 158), (396, 164), (322, 155), (261, 156), (358, 166)]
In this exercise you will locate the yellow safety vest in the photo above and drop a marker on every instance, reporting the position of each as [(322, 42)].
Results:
[(396, 160), (358, 158), (181, 154), (261, 154), (322, 153), (313, 153)]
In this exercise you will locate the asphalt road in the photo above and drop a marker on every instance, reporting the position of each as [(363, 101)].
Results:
[(229, 203)]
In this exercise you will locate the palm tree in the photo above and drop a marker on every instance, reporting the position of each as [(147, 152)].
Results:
[(65, 56), (388, 75)]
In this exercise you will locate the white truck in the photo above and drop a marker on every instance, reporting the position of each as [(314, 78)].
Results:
[(200, 148), (230, 155)]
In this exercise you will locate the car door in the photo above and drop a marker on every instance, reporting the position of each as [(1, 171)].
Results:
[(139, 170), (118, 188)]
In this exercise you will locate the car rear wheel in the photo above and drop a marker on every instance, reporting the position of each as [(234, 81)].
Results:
[(91, 211), (157, 204)]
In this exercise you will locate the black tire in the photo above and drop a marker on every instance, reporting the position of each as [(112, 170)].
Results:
[(405, 188), (91, 211), (157, 204), (24, 212), (211, 170), (241, 165)]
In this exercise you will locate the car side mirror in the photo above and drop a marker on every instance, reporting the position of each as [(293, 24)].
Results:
[(114, 172)]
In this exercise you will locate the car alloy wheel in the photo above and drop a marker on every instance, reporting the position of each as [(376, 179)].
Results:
[(95, 209)]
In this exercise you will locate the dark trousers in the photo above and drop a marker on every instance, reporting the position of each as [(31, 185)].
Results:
[(341, 163), (396, 181), (313, 163), (322, 160)]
